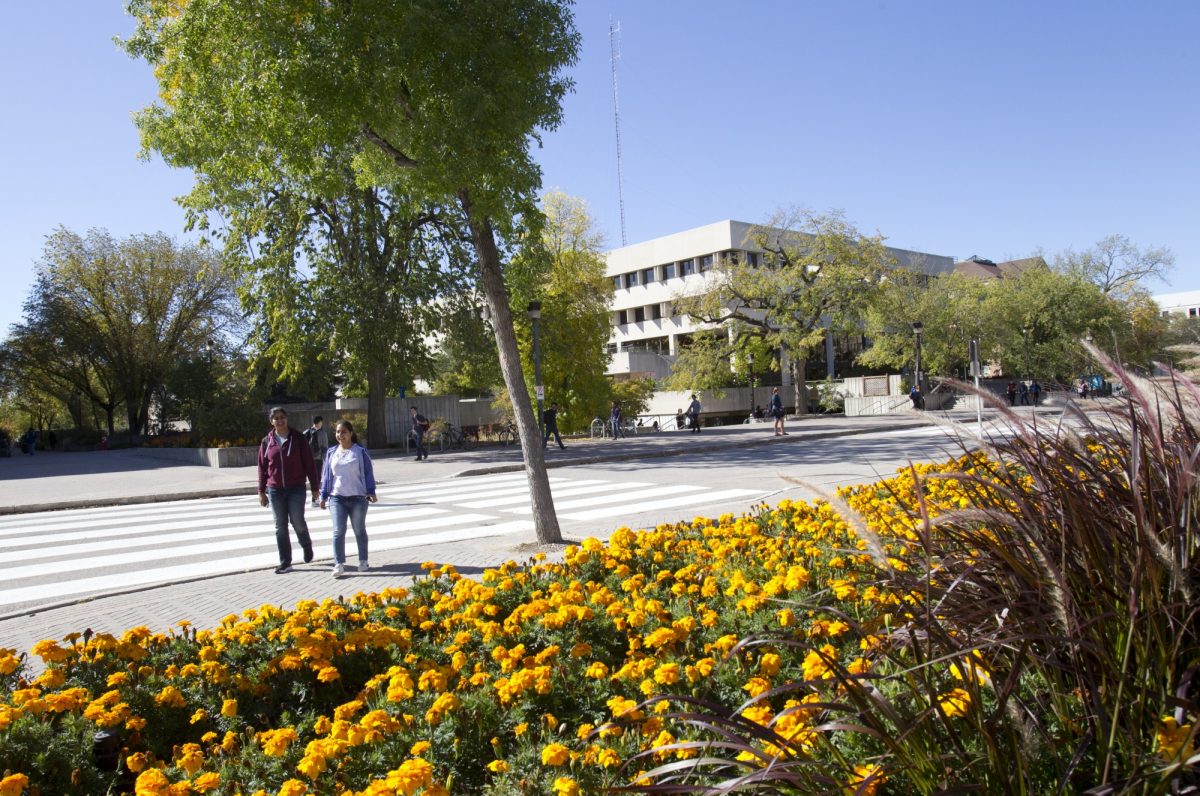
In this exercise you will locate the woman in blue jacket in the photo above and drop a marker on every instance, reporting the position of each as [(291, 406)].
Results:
[(347, 486)]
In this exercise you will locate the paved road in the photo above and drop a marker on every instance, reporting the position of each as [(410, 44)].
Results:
[(146, 555)]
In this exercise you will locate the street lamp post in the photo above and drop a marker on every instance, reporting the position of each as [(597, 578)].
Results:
[(918, 328), (535, 313), (1025, 349)]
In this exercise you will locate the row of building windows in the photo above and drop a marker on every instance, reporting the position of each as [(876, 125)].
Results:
[(679, 269), (651, 312)]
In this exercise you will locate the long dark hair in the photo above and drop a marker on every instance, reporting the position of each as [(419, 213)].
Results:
[(346, 424)]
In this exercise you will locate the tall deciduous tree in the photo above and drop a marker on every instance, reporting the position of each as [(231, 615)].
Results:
[(561, 266), (1117, 265), (817, 273), (443, 96), (130, 308), (345, 275)]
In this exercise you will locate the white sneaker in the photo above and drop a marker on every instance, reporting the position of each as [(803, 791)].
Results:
[(363, 566), (339, 570)]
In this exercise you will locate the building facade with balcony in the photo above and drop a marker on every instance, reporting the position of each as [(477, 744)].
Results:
[(646, 332)]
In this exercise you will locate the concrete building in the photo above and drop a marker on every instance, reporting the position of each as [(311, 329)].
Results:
[(649, 276), (1185, 303)]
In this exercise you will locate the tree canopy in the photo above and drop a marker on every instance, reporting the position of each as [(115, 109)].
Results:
[(817, 272), (107, 318), (440, 98)]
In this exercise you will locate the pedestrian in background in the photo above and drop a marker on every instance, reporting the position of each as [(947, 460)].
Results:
[(284, 463), (614, 419), (1023, 392), (1011, 390), (420, 425), (347, 486), (550, 419), (918, 400), (318, 441), (777, 412), (680, 419), (1035, 391), (694, 414)]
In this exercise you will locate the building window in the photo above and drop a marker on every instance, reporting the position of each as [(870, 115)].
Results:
[(706, 262), (752, 259), (655, 312), (1192, 312), (622, 318), (616, 283), (665, 309), (668, 271), (687, 267), (639, 315), (647, 276), (631, 279)]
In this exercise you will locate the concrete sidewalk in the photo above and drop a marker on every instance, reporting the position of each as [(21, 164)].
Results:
[(56, 481)]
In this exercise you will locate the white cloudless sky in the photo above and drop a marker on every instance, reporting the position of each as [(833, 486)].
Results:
[(992, 128)]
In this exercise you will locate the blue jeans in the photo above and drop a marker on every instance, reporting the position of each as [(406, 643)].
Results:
[(421, 449), (287, 503), (354, 507)]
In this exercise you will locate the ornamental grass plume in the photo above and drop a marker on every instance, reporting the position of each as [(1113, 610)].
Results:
[(1046, 639)]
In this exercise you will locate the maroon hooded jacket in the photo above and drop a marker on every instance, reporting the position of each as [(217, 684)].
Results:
[(287, 465)]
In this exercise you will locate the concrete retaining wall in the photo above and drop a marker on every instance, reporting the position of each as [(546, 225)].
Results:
[(205, 457)]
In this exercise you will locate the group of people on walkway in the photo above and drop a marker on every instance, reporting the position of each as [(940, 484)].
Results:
[(1024, 392), (288, 460)]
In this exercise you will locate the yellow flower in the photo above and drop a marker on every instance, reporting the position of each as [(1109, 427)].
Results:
[(419, 748), (667, 674), (152, 782), (328, 674), (555, 755), (13, 785), (565, 786), (1171, 738), (229, 708), (955, 703), (872, 776), (497, 766), (209, 780)]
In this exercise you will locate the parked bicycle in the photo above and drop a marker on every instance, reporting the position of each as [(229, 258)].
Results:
[(507, 434), (457, 439)]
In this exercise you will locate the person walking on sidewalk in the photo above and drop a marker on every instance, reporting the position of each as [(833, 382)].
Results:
[(777, 412), (550, 419), (347, 486), (420, 425), (317, 437), (694, 414), (284, 462), (614, 419)]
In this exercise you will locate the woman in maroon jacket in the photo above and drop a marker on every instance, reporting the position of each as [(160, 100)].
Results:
[(284, 463)]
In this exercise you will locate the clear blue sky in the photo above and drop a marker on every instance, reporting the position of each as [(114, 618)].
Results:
[(957, 128)]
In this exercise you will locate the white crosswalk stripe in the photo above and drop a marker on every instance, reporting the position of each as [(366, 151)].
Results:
[(77, 552)]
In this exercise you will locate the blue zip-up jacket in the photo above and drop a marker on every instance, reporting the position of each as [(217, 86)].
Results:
[(364, 458)]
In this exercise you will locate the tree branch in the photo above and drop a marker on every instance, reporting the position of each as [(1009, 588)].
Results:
[(399, 158)]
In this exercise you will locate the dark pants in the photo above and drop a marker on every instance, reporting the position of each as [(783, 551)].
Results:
[(422, 451), (694, 424), (287, 503), (552, 431)]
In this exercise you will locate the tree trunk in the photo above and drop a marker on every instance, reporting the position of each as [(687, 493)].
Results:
[(799, 366), (544, 518), (376, 400)]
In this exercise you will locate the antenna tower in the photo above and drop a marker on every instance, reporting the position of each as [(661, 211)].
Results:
[(614, 54)]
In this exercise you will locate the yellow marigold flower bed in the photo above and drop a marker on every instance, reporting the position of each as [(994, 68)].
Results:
[(533, 679)]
